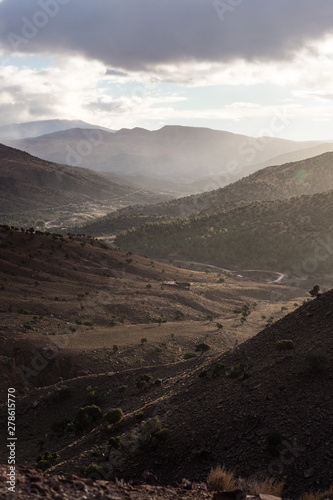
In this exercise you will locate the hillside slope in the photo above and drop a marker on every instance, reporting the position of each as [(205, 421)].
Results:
[(307, 177), (293, 236), (28, 184)]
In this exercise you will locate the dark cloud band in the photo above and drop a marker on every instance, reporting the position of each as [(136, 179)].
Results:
[(140, 34)]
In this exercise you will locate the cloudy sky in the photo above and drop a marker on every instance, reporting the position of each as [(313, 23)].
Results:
[(256, 67)]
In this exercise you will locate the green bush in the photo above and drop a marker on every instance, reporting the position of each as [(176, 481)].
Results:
[(146, 377), (122, 389), (162, 435), (86, 417), (95, 472), (285, 345), (158, 382), (151, 433), (47, 460), (94, 397), (59, 394), (114, 416), (139, 416)]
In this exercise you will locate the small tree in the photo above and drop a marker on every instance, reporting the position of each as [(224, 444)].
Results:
[(315, 291), (143, 340), (87, 416), (114, 416), (203, 347)]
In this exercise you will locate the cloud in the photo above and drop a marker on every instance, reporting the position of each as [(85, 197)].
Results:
[(114, 72), (133, 35)]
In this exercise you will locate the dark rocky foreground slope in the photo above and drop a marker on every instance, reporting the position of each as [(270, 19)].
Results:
[(32, 484)]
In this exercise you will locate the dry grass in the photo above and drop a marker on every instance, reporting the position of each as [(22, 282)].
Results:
[(220, 479), (269, 486), (325, 495)]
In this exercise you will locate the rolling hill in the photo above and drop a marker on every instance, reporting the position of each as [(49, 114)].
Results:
[(29, 185), (172, 154), (306, 177), (293, 236)]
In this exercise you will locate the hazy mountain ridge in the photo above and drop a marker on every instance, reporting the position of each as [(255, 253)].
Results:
[(16, 131), (175, 154), (272, 183)]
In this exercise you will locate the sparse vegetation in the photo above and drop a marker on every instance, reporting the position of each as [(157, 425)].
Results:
[(58, 394), (221, 479), (203, 347), (87, 417), (114, 416), (285, 345), (46, 460)]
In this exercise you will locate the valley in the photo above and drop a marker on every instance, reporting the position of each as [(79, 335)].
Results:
[(196, 319)]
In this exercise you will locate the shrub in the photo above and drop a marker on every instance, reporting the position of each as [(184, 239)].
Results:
[(47, 460), (158, 382), (94, 396), (59, 394), (95, 472), (143, 340), (179, 315), (151, 433), (317, 362), (146, 377), (115, 348), (162, 435), (114, 416), (122, 388), (220, 479), (268, 486), (189, 355), (142, 384), (86, 417), (203, 347), (203, 373), (236, 371), (285, 345), (139, 415), (218, 368)]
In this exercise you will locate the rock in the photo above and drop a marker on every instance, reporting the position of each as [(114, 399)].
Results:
[(268, 497)]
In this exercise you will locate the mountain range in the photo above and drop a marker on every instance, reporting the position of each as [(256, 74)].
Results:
[(17, 131), (195, 159)]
